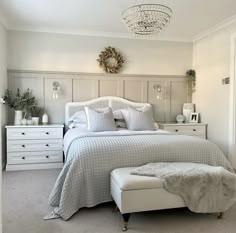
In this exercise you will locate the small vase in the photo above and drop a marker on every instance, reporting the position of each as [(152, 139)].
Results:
[(35, 120), (24, 121), (45, 119), (18, 117), (29, 122)]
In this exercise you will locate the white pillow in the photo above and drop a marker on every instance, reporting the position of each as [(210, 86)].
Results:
[(78, 117), (100, 121), (78, 125), (118, 114), (139, 119)]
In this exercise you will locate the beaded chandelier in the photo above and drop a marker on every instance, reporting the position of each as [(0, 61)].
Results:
[(146, 20)]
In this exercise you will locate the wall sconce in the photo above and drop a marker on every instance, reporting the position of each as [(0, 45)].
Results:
[(157, 88), (55, 90)]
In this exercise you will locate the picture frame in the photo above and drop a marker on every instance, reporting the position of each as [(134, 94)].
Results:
[(194, 117)]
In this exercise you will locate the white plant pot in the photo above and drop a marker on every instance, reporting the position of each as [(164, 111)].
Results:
[(18, 117), (35, 120)]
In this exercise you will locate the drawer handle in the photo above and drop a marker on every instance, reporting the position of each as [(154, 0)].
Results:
[(194, 130), (23, 145), (47, 156), (22, 133), (47, 144), (23, 157), (176, 130), (47, 132)]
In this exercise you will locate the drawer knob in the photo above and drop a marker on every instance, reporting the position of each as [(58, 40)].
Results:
[(23, 157), (22, 133), (176, 130), (47, 156), (47, 132), (23, 145), (194, 130), (47, 144)]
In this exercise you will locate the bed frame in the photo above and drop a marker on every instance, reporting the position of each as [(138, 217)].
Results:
[(101, 102), (119, 103)]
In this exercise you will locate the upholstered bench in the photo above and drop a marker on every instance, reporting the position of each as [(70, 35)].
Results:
[(133, 193)]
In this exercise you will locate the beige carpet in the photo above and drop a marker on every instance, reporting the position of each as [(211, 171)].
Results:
[(25, 196)]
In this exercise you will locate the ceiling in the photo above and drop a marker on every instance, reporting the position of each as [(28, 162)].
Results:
[(103, 17)]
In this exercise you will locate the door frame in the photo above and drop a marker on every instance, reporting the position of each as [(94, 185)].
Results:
[(232, 102)]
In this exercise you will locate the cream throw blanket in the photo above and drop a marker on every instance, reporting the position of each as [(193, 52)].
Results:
[(204, 188)]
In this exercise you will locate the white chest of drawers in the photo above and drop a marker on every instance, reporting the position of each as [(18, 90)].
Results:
[(192, 129), (34, 147)]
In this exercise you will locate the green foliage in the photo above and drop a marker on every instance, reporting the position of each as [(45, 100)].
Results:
[(192, 74), (35, 111), (19, 101)]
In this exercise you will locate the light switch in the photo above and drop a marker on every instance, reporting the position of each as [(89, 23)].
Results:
[(226, 81)]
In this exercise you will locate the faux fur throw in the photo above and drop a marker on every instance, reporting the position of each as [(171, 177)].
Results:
[(204, 188)]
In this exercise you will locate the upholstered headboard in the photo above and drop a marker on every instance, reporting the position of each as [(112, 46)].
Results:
[(101, 102)]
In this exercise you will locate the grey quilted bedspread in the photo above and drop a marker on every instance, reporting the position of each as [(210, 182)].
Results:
[(90, 157)]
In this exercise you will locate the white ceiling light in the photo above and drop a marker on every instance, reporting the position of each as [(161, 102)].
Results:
[(147, 20)]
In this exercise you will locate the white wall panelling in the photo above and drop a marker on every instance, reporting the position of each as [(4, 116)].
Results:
[(176, 97), (82, 87), (111, 88), (160, 107), (55, 107)]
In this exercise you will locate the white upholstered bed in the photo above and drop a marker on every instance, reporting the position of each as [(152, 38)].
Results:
[(91, 156)]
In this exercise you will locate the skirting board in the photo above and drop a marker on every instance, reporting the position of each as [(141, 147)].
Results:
[(33, 166)]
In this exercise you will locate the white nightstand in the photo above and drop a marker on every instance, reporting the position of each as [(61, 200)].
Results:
[(34, 147), (192, 129)]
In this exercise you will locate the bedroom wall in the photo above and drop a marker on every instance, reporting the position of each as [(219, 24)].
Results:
[(211, 60), (85, 86), (3, 85), (74, 53)]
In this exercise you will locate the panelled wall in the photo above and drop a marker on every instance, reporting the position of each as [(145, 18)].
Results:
[(83, 86)]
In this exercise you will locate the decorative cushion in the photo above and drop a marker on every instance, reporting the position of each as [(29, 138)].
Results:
[(78, 117), (100, 120), (139, 119)]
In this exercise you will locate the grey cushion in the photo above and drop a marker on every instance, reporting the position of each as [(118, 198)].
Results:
[(139, 119), (100, 120)]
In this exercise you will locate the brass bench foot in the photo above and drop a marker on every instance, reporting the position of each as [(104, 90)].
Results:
[(126, 220)]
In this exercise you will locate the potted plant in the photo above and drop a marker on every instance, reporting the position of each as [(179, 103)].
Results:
[(192, 75), (35, 114), (19, 102)]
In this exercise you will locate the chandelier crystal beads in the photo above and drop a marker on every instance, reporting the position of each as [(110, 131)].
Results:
[(147, 19)]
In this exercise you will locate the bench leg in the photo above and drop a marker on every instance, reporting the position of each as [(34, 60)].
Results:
[(126, 220), (220, 215)]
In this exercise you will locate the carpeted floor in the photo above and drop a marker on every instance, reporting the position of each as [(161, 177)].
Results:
[(25, 196)]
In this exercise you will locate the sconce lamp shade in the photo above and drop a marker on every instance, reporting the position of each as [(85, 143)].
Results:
[(55, 90), (158, 89)]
